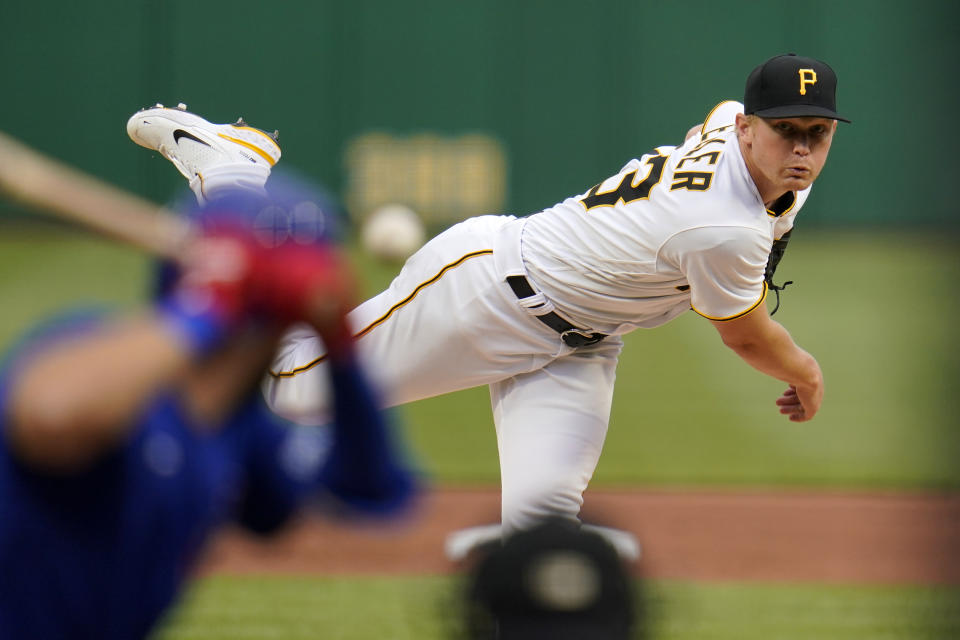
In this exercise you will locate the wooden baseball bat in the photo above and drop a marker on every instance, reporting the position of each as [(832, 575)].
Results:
[(44, 183)]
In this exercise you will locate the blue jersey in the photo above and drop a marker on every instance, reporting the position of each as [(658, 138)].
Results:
[(101, 554)]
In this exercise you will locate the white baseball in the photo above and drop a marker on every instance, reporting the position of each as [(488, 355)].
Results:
[(393, 232)]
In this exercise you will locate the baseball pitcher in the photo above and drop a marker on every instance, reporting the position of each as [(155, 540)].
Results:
[(534, 307)]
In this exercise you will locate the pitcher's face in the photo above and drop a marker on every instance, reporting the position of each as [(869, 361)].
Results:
[(785, 154)]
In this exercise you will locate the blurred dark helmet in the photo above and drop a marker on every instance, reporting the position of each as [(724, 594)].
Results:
[(554, 581), (293, 210)]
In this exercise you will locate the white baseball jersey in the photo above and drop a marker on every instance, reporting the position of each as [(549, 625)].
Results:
[(682, 227)]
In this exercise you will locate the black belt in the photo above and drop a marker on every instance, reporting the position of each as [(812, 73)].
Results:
[(571, 336)]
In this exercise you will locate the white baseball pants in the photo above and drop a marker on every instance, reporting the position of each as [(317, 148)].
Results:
[(450, 321)]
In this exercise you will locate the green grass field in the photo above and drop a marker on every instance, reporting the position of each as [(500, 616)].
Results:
[(427, 608), (879, 313)]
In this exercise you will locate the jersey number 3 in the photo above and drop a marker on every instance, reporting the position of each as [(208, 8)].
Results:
[(626, 191)]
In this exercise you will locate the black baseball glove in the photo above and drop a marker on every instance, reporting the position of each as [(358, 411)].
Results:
[(776, 252)]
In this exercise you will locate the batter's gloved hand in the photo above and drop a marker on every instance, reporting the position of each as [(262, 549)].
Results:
[(210, 297), (307, 283)]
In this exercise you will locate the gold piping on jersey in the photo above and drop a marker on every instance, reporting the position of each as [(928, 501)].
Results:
[(763, 296), (786, 208), (390, 311), (704, 132), (260, 152)]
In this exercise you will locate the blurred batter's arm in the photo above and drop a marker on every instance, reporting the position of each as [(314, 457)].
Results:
[(76, 397), (767, 346)]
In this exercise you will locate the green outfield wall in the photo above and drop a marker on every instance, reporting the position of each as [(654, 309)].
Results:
[(466, 106)]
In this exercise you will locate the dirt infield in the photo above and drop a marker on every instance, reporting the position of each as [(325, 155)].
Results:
[(890, 538)]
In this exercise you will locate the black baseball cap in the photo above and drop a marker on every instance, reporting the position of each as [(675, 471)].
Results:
[(790, 86), (554, 581)]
